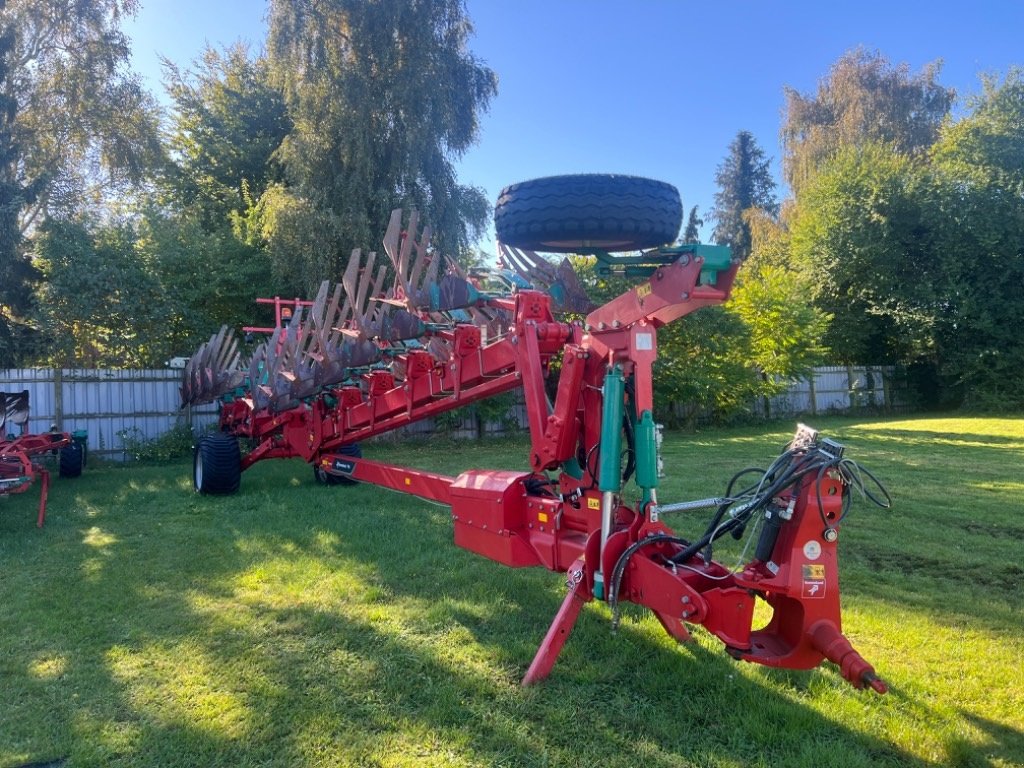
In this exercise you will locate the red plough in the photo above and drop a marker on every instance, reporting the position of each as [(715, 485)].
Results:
[(364, 359), (22, 454)]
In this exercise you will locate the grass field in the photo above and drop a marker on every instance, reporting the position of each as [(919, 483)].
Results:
[(295, 624)]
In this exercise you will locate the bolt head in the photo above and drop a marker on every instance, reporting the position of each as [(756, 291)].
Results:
[(830, 535)]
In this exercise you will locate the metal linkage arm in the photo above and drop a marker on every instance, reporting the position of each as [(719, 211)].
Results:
[(674, 290)]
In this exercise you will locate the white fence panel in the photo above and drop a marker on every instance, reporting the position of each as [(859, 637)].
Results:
[(145, 403), (833, 393), (104, 403)]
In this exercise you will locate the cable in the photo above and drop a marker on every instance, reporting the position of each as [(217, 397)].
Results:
[(786, 473), (620, 568), (630, 452)]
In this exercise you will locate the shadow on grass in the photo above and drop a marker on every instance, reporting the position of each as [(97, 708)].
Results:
[(1003, 743), (120, 649)]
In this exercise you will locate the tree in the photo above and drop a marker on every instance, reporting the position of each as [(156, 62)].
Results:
[(208, 276), (920, 256), (860, 235), (228, 123), (98, 304), (693, 225), (744, 181), (71, 120), (384, 95), (770, 297), (978, 221), (863, 99), (987, 144), (202, 236)]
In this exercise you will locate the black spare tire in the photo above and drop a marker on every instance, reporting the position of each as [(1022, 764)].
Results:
[(587, 212)]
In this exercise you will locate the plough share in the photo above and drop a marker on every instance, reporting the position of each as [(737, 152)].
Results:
[(365, 358)]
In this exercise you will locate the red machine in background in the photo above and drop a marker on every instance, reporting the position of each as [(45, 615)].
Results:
[(343, 371), (22, 454)]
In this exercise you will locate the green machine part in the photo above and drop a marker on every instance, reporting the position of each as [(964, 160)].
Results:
[(610, 467), (646, 455)]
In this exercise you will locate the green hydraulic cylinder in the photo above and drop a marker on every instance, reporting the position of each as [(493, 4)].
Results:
[(609, 478), (646, 456)]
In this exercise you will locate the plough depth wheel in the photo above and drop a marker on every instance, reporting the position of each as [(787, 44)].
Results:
[(323, 477), (217, 465)]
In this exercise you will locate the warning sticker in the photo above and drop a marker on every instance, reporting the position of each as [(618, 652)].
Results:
[(814, 572), (542, 517), (814, 589), (593, 503)]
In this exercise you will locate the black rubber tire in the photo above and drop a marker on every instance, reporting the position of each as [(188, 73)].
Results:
[(217, 465), (72, 460), (326, 478), (586, 212)]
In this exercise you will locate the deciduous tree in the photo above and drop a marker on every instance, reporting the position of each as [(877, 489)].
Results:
[(384, 95), (863, 99), (71, 119), (228, 123), (860, 235), (978, 221)]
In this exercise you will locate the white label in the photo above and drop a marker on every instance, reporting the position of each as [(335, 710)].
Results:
[(644, 342), (812, 550)]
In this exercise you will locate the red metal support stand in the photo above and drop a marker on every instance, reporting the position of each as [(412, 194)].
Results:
[(44, 490), (578, 596)]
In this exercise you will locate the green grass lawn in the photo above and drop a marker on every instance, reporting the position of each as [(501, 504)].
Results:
[(295, 624)]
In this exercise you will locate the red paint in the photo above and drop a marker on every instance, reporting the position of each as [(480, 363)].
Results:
[(20, 458)]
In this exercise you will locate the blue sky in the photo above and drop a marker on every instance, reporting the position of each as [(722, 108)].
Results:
[(648, 87)]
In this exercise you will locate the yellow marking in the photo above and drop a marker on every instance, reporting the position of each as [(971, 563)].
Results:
[(593, 503), (814, 571), (408, 481), (542, 517), (643, 291)]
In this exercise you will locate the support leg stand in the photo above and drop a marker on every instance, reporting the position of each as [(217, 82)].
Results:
[(560, 628), (44, 489)]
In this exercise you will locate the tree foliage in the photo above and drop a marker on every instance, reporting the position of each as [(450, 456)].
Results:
[(920, 258), (858, 232), (785, 330), (383, 96), (863, 99), (978, 224), (744, 182), (72, 122), (98, 304), (693, 224), (228, 123)]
